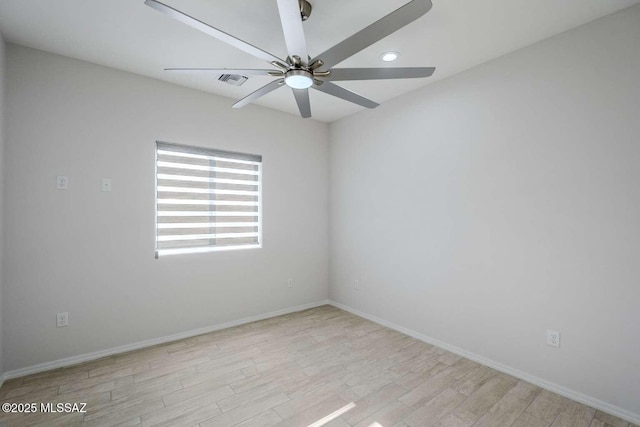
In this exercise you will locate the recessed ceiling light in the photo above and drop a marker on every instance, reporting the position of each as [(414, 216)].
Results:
[(389, 56)]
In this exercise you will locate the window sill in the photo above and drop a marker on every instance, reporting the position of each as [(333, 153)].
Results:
[(164, 252)]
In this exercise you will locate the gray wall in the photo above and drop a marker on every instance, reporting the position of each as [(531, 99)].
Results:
[(488, 207), (91, 253), (2, 173)]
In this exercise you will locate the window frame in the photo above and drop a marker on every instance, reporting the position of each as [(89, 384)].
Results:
[(207, 151)]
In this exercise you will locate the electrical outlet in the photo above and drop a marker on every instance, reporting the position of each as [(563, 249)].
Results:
[(553, 338), (62, 182), (356, 284), (290, 283), (62, 319)]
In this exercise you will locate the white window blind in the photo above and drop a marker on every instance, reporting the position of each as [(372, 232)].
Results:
[(206, 199)]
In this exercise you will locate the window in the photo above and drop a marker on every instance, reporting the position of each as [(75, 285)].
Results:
[(206, 199)]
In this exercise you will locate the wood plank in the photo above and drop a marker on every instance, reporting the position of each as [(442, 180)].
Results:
[(431, 412)]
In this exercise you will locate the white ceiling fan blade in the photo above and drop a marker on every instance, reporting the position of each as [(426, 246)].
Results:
[(214, 32), (340, 92), (292, 28), (259, 93), (246, 72), (374, 32), (342, 74), (302, 99)]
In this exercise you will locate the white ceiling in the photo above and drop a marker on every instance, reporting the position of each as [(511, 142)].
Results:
[(125, 34)]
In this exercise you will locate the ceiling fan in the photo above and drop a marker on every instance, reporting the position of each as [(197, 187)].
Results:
[(300, 71)]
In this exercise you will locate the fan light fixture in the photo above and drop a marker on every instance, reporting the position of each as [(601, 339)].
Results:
[(298, 79), (389, 56)]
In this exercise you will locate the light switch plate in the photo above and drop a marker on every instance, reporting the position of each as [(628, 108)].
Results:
[(106, 184)]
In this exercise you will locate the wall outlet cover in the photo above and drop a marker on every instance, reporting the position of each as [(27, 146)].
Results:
[(62, 319), (553, 338), (62, 182)]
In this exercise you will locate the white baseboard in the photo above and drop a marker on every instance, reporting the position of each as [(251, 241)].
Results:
[(555, 388), (74, 360)]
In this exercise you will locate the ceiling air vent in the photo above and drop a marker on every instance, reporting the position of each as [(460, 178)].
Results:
[(233, 79)]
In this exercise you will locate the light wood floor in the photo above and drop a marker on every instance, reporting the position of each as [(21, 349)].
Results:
[(292, 371)]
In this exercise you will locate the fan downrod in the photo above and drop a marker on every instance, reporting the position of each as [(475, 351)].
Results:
[(305, 9)]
